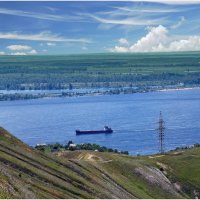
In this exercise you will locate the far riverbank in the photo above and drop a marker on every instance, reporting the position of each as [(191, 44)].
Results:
[(6, 95), (176, 89)]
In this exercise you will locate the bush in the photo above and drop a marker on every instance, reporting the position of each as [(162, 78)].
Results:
[(87, 146)]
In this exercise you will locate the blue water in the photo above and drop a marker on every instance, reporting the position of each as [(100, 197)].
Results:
[(133, 118)]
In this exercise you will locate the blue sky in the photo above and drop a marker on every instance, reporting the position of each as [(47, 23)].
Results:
[(30, 28)]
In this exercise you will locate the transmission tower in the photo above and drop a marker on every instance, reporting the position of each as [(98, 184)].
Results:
[(161, 133)]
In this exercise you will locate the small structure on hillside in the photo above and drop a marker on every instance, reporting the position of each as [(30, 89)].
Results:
[(41, 145), (72, 145)]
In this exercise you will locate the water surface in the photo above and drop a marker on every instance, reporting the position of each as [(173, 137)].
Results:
[(133, 118)]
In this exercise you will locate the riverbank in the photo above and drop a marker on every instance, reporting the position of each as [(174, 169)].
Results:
[(177, 89), (96, 92)]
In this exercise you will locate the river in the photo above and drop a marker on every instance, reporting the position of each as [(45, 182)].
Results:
[(133, 117)]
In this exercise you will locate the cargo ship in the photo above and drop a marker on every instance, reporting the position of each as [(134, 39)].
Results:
[(105, 130)]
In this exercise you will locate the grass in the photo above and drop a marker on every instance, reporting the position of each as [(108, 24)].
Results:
[(186, 168), (28, 173)]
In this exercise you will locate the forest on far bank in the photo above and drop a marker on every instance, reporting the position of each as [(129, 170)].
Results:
[(99, 70)]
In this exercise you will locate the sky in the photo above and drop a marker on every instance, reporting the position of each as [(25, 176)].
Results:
[(66, 27)]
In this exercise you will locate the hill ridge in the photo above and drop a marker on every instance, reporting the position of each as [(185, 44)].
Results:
[(28, 173)]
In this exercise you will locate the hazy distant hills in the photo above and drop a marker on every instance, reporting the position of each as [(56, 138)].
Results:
[(27, 173)]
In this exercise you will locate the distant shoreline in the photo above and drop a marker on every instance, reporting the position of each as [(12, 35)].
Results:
[(25, 96), (177, 89)]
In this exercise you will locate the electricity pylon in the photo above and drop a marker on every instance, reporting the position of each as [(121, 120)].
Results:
[(161, 133)]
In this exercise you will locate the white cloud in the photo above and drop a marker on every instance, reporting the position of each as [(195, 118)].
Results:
[(147, 43), (18, 54), (43, 36), (155, 36), (18, 47), (172, 1), (159, 40), (84, 48), (179, 23), (51, 44), (120, 49), (133, 10), (159, 1), (191, 43), (123, 41), (21, 50), (33, 51), (126, 21), (43, 16), (2, 53), (52, 8)]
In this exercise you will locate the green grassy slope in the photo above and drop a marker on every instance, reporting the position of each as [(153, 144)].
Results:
[(27, 173)]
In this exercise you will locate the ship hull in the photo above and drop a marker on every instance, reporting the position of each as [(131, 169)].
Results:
[(93, 132)]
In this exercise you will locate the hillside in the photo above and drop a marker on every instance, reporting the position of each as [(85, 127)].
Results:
[(27, 173)]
